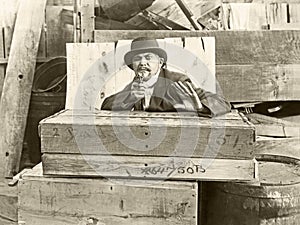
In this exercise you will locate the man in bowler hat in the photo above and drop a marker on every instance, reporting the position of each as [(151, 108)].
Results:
[(157, 89)]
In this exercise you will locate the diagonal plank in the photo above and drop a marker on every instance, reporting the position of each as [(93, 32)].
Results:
[(18, 81)]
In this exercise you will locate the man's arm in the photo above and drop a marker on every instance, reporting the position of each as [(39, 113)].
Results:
[(213, 104), (184, 96), (126, 99), (118, 100)]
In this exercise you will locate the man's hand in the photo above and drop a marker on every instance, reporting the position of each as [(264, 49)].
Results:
[(137, 90), (188, 96)]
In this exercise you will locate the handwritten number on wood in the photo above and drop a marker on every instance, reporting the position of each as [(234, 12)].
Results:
[(55, 132)]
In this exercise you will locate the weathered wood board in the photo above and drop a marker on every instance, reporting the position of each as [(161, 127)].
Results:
[(142, 133), (8, 16), (8, 203), (58, 33), (259, 82), (87, 20), (64, 201), (250, 65), (171, 168), (60, 2), (273, 127), (18, 81), (244, 16), (270, 146), (232, 47)]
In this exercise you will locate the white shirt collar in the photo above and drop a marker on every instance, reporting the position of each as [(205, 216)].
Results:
[(153, 79), (150, 87)]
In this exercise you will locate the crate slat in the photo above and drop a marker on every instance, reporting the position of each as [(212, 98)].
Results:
[(170, 168)]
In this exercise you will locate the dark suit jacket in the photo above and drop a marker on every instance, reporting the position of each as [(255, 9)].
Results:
[(165, 96)]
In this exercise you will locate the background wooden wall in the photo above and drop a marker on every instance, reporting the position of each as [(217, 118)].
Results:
[(55, 33)]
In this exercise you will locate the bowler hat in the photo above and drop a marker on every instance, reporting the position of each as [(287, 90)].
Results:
[(142, 45)]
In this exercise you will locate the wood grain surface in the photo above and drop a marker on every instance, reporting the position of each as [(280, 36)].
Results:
[(65, 201), (144, 133), (18, 81)]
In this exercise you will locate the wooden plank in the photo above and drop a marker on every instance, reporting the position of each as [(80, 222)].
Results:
[(82, 63), (294, 14), (58, 33), (18, 81), (77, 201), (270, 146), (294, 119), (259, 82), (232, 47), (146, 135), (123, 74), (287, 26), (8, 203), (245, 16), (59, 2), (188, 14), (270, 126), (148, 167), (161, 22), (233, 116), (203, 50), (277, 13), (10, 9), (87, 20), (169, 45)]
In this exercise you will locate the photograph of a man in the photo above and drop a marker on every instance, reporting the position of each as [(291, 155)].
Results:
[(157, 89)]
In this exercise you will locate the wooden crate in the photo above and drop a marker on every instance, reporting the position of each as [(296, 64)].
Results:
[(168, 146), (62, 201)]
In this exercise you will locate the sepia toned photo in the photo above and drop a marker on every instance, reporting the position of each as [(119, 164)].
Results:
[(149, 112)]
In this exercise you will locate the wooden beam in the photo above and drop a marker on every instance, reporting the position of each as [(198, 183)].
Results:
[(59, 2), (259, 82), (100, 22), (200, 169), (232, 47), (18, 81), (189, 15), (87, 20), (285, 26), (162, 21)]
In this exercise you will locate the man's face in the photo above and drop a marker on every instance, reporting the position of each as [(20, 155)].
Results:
[(146, 64)]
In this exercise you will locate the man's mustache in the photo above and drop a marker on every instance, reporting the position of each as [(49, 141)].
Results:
[(144, 68)]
